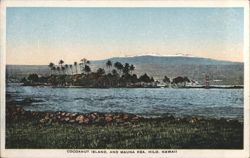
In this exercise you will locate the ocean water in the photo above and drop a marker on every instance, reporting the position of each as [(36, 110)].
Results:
[(227, 103)]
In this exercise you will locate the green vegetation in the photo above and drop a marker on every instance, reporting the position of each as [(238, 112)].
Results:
[(147, 134)]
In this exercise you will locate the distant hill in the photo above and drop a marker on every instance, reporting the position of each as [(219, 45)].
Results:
[(220, 72), (167, 60)]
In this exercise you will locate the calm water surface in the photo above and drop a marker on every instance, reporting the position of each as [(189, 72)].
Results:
[(144, 101)]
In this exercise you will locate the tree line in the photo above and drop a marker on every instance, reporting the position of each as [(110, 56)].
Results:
[(80, 74), (116, 75)]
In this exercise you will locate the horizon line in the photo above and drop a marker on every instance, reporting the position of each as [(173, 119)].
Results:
[(139, 55)]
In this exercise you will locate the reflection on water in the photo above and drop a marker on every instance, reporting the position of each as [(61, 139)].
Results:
[(145, 101)]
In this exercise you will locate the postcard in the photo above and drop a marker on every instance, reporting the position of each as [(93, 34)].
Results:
[(125, 79)]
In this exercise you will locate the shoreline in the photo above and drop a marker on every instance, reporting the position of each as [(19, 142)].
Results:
[(17, 112), (187, 87)]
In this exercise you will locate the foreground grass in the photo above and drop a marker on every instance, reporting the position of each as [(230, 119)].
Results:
[(149, 134)]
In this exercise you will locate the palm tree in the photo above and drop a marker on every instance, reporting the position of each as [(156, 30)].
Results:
[(63, 70), (66, 68), (58, 69), (53, 69), (71, 68), (61, 62), (75, 64), (118, 66), (126, 68), (83, 63), (166, 79), (114, 72), (131, 68), (109, 64), (83, 60), (51, 65), (87, 69), (100, 71)]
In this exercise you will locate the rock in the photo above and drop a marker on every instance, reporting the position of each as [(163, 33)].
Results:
[(108, 118), (72, 121), (108, 115), (93, 117), (80, 119), (86, 120), (66, 119), (68, 114), (116, 117), (125, 117), (63, 113), (100, 119)]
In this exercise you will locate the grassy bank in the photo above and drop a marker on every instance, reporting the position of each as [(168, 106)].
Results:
[(160, 133)]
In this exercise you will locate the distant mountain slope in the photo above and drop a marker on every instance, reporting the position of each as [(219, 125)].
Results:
[(172, 60), (222, 72)]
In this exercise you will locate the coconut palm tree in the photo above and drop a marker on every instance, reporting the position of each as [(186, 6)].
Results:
[(87, 69), (83, 63), (126, 68), (51, 65), (75, 64), (71, 68), (114, 72), (63, 70), (58, 69), (118, 66), (166, 80), (100, 71), (109, 65), (61, 63), (66, 68), (53, 69), (131, 68)]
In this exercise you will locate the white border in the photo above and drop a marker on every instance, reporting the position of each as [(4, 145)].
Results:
[(180, 3)]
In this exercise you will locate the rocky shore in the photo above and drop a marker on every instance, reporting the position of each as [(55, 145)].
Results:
[(18, 113), (15, 113)]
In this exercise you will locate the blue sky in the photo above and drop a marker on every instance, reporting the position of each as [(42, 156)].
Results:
[(98, 33)]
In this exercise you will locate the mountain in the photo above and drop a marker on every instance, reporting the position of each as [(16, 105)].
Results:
[(167, 60), (220, 72)]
